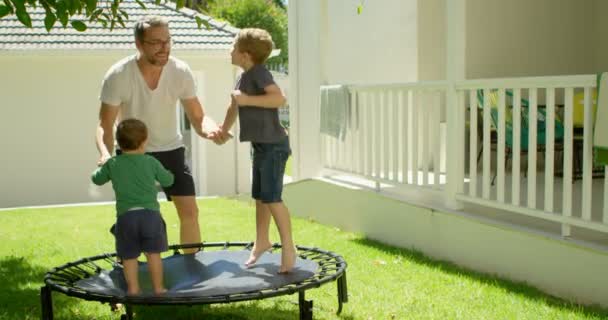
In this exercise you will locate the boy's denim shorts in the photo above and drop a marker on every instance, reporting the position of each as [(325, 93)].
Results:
[(269, 161), (138, 231)]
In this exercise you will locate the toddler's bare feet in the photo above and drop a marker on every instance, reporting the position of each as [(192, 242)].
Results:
[(288, 259), (133, 292), (257, 251), (160, 292)]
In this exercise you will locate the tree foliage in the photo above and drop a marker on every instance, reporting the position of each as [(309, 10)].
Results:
[(76, 13), (264, 14)]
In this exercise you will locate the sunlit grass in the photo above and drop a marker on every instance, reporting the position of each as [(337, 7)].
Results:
[(383, 282)]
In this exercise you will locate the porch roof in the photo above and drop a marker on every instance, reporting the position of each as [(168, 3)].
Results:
[(184, 30)]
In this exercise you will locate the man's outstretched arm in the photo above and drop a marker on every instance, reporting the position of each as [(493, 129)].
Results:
[(104, 137)]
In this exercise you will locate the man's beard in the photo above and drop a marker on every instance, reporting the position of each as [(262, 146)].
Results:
[(157, 61)]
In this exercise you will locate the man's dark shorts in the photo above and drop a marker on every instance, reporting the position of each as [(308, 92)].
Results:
[(269, 161), (175, 161), (138, 231)]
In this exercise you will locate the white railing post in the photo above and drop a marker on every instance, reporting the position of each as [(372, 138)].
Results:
[(455, 146)]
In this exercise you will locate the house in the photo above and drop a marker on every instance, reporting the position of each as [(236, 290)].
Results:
[(50, 87), (420, 145)]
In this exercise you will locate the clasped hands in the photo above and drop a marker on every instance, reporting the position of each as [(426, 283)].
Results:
[(221, 136)]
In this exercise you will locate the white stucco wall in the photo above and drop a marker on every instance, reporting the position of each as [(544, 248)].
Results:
[(47, 130), (376, 46), (518, 38), (431, 40), (599, 41)]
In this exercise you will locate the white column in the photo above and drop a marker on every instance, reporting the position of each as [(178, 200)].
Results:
[(455, 71), (305, 81)]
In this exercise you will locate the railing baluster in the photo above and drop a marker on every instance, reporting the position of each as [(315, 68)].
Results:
[(385, 134), (487, 148), (605, 204), (567, 187), (473, 143), (532, 133), (405, 136), (436, 120), (500, 163), (369, 134), (378, 134), (516, 152), (587, 155), (549, 148), (424, 135), (415, 134), (395, 133)]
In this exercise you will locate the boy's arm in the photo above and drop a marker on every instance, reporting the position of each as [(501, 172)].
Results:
[(230, 118), (273, 98), (164, 176), (101, 175)]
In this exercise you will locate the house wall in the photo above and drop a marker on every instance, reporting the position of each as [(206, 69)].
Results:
[(547, 263), (47, 131), (520, 38), (431, 40), (376, 46), (600, 35)]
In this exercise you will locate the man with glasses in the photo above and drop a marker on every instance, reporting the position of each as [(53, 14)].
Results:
[(147, 86)]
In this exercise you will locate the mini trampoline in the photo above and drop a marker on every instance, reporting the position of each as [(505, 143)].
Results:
[(215, 274)]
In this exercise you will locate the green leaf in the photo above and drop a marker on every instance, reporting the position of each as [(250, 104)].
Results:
[(4, 10), (49, 21), (91, 5), (120, 21), (157, 2), (179, 4), (79, 25), (141, 4), (24, 17), (125, 14), (200, 21), (95, 15), (63, 17)]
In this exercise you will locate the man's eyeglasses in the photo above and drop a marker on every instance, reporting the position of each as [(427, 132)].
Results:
[(157, 44)]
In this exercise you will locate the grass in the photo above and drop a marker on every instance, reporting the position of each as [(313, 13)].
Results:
[(383, 282)]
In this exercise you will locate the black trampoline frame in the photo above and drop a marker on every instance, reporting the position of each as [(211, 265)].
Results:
[(332, 267)]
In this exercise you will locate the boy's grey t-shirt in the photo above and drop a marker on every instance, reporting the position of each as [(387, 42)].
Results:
[(258, 124)]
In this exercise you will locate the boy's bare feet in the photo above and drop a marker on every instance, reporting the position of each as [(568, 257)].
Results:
[(288, 259), (257, 251)]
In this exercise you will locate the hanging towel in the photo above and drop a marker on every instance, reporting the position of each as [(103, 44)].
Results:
[(335, 110), (600, 132)]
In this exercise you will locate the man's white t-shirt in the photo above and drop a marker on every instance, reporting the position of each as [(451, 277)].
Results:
[(124, 86)]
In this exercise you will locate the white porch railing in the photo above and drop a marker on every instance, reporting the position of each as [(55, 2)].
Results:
[(399, 134)]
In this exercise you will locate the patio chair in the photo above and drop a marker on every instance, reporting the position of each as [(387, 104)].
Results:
[(524, 127)]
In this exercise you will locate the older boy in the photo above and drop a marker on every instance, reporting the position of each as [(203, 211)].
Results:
[(256, 100)]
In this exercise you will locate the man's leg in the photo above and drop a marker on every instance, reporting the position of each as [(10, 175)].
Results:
[(280, 213), (262, 238), (187, 211)]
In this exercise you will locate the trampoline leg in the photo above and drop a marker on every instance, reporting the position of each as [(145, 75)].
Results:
[(128, 312), (46, 303), (305, 307), (342, 292)]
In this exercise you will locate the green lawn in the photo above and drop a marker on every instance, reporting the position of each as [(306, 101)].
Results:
[(383, 282)]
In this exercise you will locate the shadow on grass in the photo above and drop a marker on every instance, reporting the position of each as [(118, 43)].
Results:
[(21, 282), (279, 310), (520, 288)]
